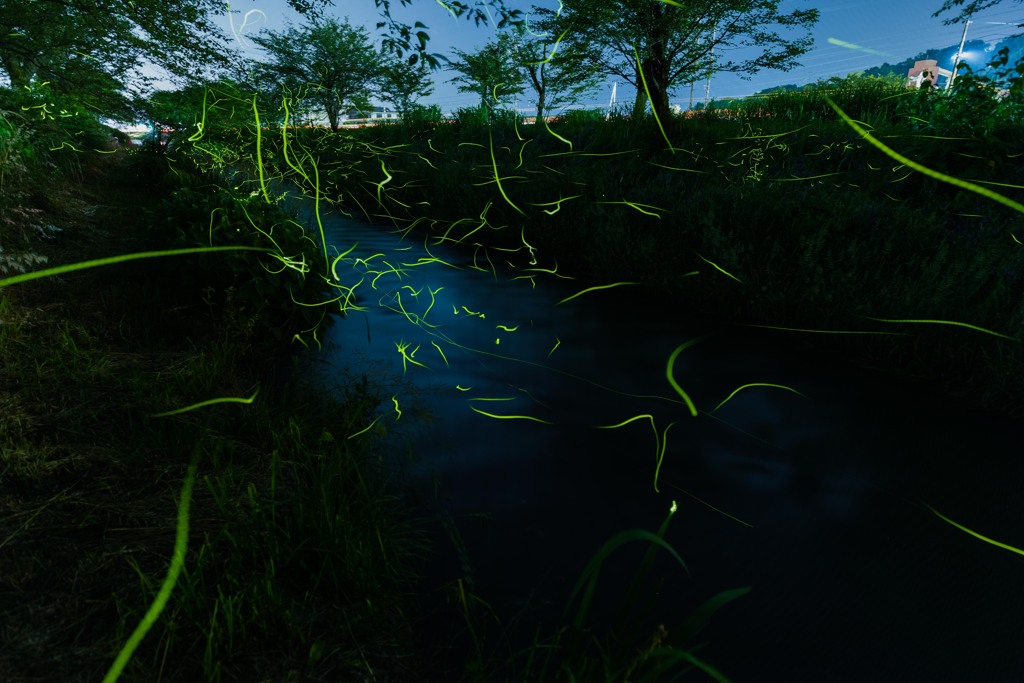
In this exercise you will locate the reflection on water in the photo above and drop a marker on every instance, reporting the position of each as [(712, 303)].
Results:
[(508, 404)]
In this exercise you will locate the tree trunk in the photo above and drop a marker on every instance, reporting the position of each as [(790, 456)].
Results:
[(657, 83), (537, 75), (640, 103), (655, 65), (332, 116)]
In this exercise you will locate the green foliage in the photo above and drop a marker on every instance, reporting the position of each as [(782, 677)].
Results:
[(45, 138), (491, 72), (276, 288), (212, 109), (656, 46), (327, 62), (92, 49), (581, 117), (469, 117), (422, 119), (875, 100), (400, 35), (982, 105), (556, 70), (401, 84), (816, 228)]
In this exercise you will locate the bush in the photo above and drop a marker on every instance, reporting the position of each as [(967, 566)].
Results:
[(581, 117), (256, 285), (419, 116)]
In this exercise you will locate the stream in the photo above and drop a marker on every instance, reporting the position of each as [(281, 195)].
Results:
[(534, 427)]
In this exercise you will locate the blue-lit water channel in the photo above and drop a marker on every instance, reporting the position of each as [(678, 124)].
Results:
[(817, 501)]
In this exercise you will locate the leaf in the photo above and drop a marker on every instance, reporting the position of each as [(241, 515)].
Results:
[(699, 617)]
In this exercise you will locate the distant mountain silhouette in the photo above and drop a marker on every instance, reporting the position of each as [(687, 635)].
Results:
[(944, 56)]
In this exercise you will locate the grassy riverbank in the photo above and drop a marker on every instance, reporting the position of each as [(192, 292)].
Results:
[(300, 559), (778, 216), (302, 552)]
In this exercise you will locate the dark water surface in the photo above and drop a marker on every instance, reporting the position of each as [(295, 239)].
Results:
[(817, 502)]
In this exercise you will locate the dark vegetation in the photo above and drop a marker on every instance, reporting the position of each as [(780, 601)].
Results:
[(770, 213), (302, 553)]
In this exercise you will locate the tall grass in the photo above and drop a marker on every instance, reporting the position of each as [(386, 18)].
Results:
[(299, 552)]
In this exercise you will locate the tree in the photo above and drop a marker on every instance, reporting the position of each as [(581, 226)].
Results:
[(75, 44), (399, 39), (971, 7), (402, 83), (492, 72), (329, 62), (558, 74), (51, 39), (655, 45)]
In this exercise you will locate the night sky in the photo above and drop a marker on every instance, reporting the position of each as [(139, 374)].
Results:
[(850, 36)]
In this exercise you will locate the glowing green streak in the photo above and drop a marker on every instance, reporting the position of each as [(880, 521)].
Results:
[(210, 402), (558, 342), (799, 329), (443, 357), (594, 289), (509, 417), (432, 293), (363, 431), (259, 150), (991, 541), (397, 409), (521, 151), (984, 192), (630, 420), (810, 177), (661, 458), (497, 179), (671, 365), (109, 260), (316, 208), (754, 384), (704, 502), (177, 563), (557, 204), (284, 142), (380, 185), (719, 268), (334, 263), (553, 133), (550, 271), (201, 126), (506, 329), (643, 80), (587, 154), (410, 357), (638, 207), (945, 322), (676, 168), (989, 182), (659, 441)]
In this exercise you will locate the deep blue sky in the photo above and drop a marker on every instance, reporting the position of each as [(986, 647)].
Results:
[(850, 36)]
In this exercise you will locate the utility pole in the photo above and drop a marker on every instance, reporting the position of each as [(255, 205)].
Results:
[(707, 87), (956, 60), (611, 102)]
